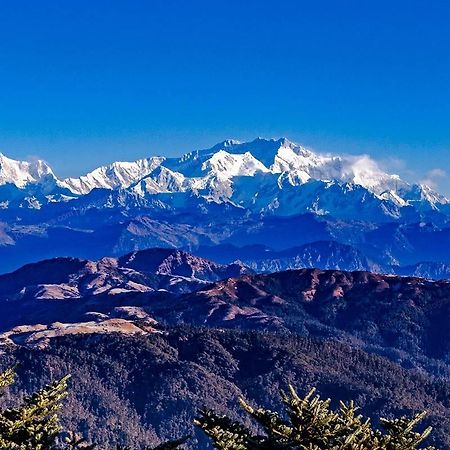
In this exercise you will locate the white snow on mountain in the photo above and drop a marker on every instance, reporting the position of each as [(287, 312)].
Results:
[(20, 173), (226, 165), (115, 175), (266, 176), (282, 156), (160, 180)]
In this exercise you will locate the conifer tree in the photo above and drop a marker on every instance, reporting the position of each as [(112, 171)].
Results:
[(34, 425), (310, 424)]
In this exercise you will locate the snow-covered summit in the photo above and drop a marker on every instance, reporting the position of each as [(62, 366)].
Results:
[(20, 173), (273, 176), (113, 176), (227, 165)]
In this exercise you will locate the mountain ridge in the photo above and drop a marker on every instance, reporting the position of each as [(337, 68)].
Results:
[(400, 317), (263, 192), (275, 165), (139, 271)]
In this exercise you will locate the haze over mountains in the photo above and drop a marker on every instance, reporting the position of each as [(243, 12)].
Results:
[(266, 192)]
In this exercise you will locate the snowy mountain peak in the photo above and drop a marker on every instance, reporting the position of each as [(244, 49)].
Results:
[(221, 146), (229, 143), (228, 165), (265, 176), (116, 175), (421, 193), (160, 180), (20, 173)]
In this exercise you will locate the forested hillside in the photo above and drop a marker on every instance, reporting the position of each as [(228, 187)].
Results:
[(141, 389)]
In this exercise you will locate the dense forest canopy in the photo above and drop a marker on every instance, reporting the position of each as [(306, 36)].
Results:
[(148, 389), (308, 423)]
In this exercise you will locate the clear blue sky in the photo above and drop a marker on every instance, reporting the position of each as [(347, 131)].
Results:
[(88, 82)]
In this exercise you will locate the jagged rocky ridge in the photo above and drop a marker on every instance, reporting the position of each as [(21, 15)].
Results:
[(141, 271), (322, 255), (70, 296)]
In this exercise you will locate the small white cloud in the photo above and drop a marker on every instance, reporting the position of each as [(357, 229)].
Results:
[(393, 164), (433, 176), (436, 173)]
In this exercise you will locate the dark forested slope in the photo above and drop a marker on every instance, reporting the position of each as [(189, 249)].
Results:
[(141, 388)]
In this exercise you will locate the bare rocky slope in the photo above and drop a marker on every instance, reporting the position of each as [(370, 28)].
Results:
[(402, 317), (70, 296)]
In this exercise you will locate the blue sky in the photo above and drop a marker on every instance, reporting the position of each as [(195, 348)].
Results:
[(85, 83)]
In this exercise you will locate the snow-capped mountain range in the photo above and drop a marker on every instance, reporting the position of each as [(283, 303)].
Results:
[(269, 177), (271, 193)]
